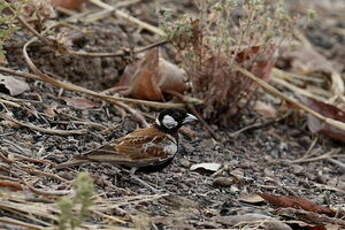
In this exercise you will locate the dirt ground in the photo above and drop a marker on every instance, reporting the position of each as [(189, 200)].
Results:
[(262, 159)]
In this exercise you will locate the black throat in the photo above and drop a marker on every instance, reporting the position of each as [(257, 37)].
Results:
[(172, 132)]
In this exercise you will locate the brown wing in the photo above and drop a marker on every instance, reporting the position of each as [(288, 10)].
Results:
[(138, 149)]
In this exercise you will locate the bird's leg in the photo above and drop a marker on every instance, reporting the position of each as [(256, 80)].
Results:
[(132, 175)]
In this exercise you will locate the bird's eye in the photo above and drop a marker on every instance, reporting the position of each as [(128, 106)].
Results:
[(169, 122)]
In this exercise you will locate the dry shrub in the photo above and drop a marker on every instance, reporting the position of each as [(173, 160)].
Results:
[(223, 35)]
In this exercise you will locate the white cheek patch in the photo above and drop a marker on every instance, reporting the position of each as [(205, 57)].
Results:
[(169, 122)]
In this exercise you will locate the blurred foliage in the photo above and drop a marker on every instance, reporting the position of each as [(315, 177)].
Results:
[(73, 210)]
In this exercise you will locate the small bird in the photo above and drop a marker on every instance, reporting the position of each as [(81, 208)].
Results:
[(152, 146)]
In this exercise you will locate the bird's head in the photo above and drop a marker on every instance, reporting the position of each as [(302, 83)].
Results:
[(172, 119)]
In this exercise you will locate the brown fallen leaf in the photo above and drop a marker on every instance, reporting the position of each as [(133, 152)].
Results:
[(260, 64), (311, 217), (81, 103), (69, 4), (152, 77), (252, 198), (265, 110), (12, 86), (296, 202), (317, 126)]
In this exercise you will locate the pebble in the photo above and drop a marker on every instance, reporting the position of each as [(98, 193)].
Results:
[(224, 181), (185, 163)]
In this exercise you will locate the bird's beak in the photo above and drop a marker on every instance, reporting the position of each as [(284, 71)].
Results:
[(189, 118)]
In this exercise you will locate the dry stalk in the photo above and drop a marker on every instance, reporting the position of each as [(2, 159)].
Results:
[(45, 192), (129, 18), (45, 130), (19, 223)]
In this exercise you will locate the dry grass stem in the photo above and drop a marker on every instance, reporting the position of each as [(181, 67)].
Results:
[(46, 130), (129, 18)]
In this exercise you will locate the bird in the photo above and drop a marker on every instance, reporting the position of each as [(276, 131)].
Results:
[(153, 146)]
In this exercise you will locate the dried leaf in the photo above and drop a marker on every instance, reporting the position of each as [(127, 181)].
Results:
[(265, 110), (317, 126), (296, 202), (213, 167), (69, 4), (81, 103), (12, 86), (252, 198), (310, 217), (150, 78)]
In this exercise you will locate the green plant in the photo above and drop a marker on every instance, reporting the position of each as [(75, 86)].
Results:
[(7, 24), (222, 35), (74, 210)]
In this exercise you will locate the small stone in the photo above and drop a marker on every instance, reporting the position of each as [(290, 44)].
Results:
[(185, 163), (298, 170), (224, 181), (66, 175)]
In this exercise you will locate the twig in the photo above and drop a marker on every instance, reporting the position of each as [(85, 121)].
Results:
[(135, 113), (322, 157), (338, 163), (10, 103), (144, 199), (20, 223), (38, 172), (108, 12), (44, 130), (129, 18), (259, 125), (5, 159), (297, 89), (118, 53), (87, 123), (72, 87), (111, 218), (311, 147), (17, 148), (47, 192)]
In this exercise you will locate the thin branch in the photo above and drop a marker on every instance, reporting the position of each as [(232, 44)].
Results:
[(45, 130), (72, 87), (129, 18)]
